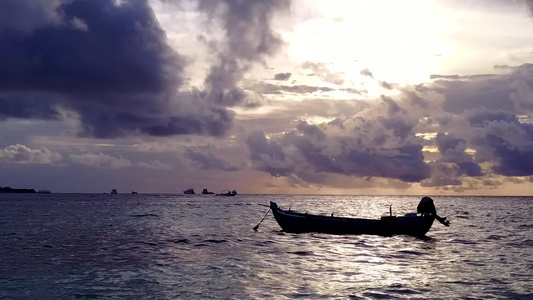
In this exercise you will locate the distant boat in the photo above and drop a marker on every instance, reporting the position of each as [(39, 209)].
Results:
[(228, 193), (113, 191), (133, 192), (410, 224), (206, 192), (189, 191), (44, 192)]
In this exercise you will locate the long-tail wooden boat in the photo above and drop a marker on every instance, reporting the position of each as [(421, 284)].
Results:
[(410, 224)]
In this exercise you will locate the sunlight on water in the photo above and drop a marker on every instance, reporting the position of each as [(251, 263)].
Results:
[(203, 247)]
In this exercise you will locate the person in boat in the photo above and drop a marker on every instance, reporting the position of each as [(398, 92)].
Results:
[(426, 207)]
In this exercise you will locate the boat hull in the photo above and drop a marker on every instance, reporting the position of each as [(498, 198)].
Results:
[(294, 222)]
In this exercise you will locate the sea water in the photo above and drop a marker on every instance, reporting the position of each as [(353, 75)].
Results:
[(145, 246)]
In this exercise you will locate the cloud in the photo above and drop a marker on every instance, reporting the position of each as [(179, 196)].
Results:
[(100, 160), (471, 120), (267, 88), (249, 39), (107, 63), (24, 155), (20, 16), (155, 165), (522, 97), (27, 106), (490, 91), (367, 72), (79, 24), (282, 76), (123, 52), (437, 76), (247, 24), (268, 156), (365, 145), (209, 161), (453, 150), (505, 141), (529, 4), (374, 148), (491, 183), (442, 175), (386, 85), (320, 70), (112, 123), (481, 113)]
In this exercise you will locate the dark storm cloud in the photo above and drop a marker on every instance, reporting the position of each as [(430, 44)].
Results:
[(106, 61), (27, 107), (282, 76), (221, 83), (209, 161), (310, 130), (268, 156), (249, 39), (491, 91), (25, 16), (124, 51), (442, 175), (404, 163), (482, 113), (453, 150), (310, 150), (414, 99), (247, 25), (110, 123), (481, 117), (478, 113), (512, 161), (362, 146), (504, 140)]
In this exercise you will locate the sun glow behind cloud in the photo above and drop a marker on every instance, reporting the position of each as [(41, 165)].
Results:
[(399, 41)]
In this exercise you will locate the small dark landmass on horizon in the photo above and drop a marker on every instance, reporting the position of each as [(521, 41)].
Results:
[(9, 190), (16, 191)]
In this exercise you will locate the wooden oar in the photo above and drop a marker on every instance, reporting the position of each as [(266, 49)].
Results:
[(257, 226)]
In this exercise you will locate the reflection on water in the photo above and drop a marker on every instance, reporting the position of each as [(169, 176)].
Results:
[(176, 246)]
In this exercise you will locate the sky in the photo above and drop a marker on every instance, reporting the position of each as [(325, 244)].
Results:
[(385, 97)]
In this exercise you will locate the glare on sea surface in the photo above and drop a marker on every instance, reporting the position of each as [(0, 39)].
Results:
[(329, 264)]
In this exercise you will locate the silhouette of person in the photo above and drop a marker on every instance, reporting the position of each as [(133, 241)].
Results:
[(426, 207)]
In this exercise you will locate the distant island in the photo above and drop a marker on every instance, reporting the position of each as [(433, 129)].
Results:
[(9, 190)]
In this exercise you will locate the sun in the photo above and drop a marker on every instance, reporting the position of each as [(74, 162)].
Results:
[(398, 41)]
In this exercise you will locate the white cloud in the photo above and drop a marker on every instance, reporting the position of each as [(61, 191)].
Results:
[(21, 154), (79, 24), (155, 164), (100, 160)]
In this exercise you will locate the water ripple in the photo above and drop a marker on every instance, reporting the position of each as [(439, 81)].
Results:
[(177, 247)]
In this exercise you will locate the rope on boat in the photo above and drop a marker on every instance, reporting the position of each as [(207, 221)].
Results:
[(257, 226)]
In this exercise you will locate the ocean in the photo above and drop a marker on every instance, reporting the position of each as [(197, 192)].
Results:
[(148, 246)]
